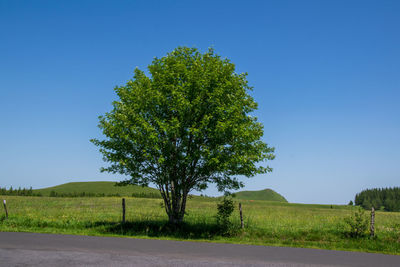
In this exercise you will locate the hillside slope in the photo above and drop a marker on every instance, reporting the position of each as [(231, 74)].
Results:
[(265, 194), (106, 188)]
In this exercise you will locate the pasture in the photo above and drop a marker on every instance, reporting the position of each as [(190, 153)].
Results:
[(266, 222)]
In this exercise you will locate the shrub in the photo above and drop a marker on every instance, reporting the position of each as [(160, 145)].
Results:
[(225, 209), (357, 224)]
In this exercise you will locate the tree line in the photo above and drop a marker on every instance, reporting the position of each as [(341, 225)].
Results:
[(29, 192), (18, 192), (90, 194), (380, 198)]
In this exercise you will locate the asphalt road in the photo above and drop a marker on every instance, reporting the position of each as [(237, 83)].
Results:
[(31, 249)]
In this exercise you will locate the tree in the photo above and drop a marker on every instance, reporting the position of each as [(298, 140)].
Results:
[(380, 198), (184, 126)]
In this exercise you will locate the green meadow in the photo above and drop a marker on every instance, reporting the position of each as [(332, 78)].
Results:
[(266, 222)]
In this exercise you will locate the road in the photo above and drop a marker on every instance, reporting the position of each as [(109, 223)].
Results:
[(32, 249)]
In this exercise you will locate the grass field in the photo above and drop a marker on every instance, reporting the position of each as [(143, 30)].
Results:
[(266, 223)]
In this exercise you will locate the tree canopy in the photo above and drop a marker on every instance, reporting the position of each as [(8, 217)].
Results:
[(183, 126)]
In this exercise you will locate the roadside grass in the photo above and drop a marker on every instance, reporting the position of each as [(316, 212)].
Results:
[(266, 223)]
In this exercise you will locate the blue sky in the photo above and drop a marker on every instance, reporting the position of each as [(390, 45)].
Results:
[(326, 75)]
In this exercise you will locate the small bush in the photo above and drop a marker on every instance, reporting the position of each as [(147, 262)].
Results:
[(396, 231), (225, 209), (357, 224)]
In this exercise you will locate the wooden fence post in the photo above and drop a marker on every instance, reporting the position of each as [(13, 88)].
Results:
[(5, 208), (123, 210), (372, 229), (241, 216)]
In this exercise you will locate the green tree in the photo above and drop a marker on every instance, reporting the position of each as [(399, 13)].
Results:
[(184, 126)]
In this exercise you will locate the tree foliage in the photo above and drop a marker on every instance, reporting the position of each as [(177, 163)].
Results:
[(380, 198), (18, 192), (183, 126)]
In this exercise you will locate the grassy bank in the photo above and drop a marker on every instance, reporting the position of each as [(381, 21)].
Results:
[(267, 223)]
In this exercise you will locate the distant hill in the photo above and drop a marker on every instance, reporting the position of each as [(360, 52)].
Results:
[(98, 189), (266, 194)]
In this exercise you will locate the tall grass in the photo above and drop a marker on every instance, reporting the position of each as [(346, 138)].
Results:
[(266, 223)]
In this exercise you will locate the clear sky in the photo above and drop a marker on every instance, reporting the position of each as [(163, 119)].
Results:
[(326, 75)]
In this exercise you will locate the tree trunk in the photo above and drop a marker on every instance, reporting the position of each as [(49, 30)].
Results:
[(177, 210), (175, 205)]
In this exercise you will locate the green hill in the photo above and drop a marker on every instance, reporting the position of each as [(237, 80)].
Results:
[(266, 194), (98, 189)]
